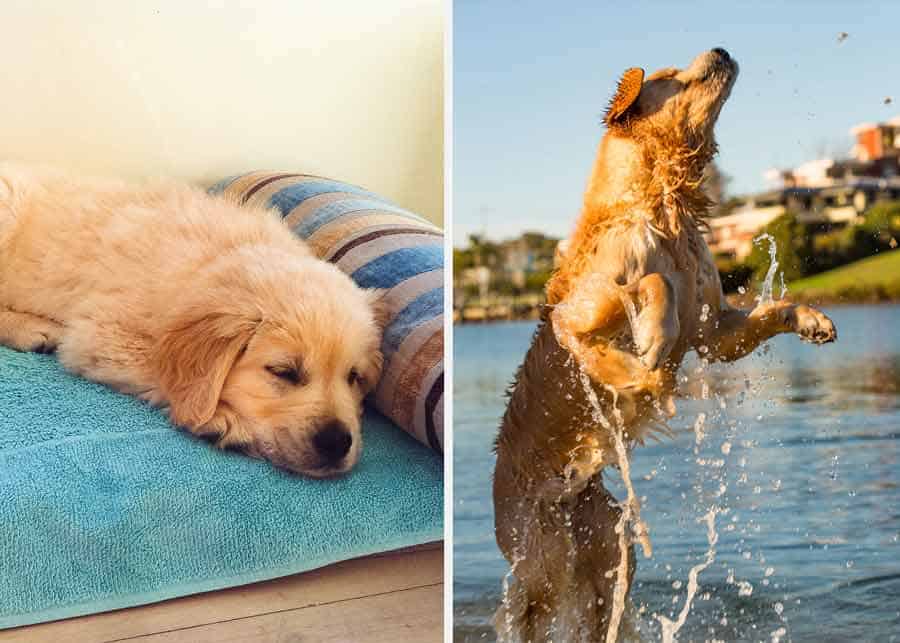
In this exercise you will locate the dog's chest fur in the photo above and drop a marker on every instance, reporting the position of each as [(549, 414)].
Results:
[(627, 254)]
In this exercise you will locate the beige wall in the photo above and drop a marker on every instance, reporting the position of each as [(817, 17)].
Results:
[(351, 89)]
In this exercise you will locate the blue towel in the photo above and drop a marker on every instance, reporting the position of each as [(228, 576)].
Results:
[(104, 505)]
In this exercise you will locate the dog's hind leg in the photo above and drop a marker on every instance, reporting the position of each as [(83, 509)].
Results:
[(28, 333), (513, 618)]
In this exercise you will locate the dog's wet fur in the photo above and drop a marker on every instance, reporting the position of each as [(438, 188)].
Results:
[(637, 245)]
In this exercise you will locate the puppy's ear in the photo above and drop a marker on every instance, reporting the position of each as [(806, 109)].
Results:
[(192, 360), (383, 315), (380, 306), (626, 94)]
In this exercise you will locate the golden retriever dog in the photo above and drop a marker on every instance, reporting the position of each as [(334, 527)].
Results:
[(215, 312), (635, 289)]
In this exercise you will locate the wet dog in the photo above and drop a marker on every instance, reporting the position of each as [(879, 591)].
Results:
[(635, 289), (217, 313)]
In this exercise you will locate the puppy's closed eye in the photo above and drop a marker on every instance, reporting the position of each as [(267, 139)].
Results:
[(290, 373)]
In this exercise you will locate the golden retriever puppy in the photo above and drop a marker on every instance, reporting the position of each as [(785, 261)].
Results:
[(635, 288), (216, 312)]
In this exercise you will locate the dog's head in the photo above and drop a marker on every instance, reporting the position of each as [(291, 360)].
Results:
[(274, 362), (680, 104)]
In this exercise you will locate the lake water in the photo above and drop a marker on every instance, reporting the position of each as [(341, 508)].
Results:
[(804, 461)]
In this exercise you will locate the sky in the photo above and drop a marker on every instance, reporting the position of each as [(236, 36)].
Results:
[(531, 81)]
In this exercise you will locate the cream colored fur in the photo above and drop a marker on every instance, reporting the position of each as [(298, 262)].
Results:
[(191, 303)]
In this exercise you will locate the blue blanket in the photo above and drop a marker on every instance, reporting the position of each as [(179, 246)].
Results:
[(104, 505)]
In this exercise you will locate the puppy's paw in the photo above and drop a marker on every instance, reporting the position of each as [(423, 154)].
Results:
[(31, 334), (812, 325)]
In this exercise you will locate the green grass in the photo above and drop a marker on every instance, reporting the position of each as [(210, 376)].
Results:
[(877, 276)]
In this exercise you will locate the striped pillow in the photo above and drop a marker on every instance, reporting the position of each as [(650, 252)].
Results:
[(380, 245)]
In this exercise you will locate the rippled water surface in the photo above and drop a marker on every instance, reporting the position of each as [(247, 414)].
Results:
[(803, 456)]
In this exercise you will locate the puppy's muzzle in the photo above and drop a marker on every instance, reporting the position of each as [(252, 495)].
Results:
[(326, 448), (332, 443)]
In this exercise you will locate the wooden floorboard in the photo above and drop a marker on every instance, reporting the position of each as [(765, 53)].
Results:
[(413, 615), (382, 597)]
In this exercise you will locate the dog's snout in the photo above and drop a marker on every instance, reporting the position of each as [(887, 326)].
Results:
[(721, 53), (333, 441)]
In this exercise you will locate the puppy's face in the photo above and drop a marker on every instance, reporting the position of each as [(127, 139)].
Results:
[(275, 364), (680, 104), (295, 394)]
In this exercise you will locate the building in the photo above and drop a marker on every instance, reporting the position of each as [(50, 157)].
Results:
[(826, 193), (877, 142)]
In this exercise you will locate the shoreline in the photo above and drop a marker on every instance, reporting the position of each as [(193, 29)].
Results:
[(484, 314)]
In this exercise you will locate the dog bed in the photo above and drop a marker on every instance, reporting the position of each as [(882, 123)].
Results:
[(104, 505)]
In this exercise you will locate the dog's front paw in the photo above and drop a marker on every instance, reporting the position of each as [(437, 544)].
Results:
[(35, 337), (812, 325), (654, 338)]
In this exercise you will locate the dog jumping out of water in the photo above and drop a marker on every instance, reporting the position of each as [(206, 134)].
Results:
[(216, 312), (635, 290)]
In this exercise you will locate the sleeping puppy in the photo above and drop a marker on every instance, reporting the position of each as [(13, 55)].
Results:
[(635, 289), (216, 312)]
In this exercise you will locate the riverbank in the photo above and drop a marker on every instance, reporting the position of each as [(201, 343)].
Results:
[(873, 280)]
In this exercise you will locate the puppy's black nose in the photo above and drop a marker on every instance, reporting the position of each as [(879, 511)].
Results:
[(721, 52), (333, 441)]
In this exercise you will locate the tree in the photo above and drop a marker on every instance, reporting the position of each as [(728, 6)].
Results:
[(882, 221)]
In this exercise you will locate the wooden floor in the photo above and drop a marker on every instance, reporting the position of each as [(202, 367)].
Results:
[(396, 596)]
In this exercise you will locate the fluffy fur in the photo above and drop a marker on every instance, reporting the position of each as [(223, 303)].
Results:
[(634, 290), (213, 311)]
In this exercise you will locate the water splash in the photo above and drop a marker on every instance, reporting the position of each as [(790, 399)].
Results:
[(669, 627), (765, 293), (508, 616), (630, 519)]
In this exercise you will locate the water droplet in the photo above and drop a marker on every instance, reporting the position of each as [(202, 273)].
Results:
[(676, 585), (726, 448), (704, 313), (849, 564), (779, 608), (770, 571)]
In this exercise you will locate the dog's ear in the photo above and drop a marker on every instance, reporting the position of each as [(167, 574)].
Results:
[(192, 360), (380, 306), (383, 315), (627, 93)]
